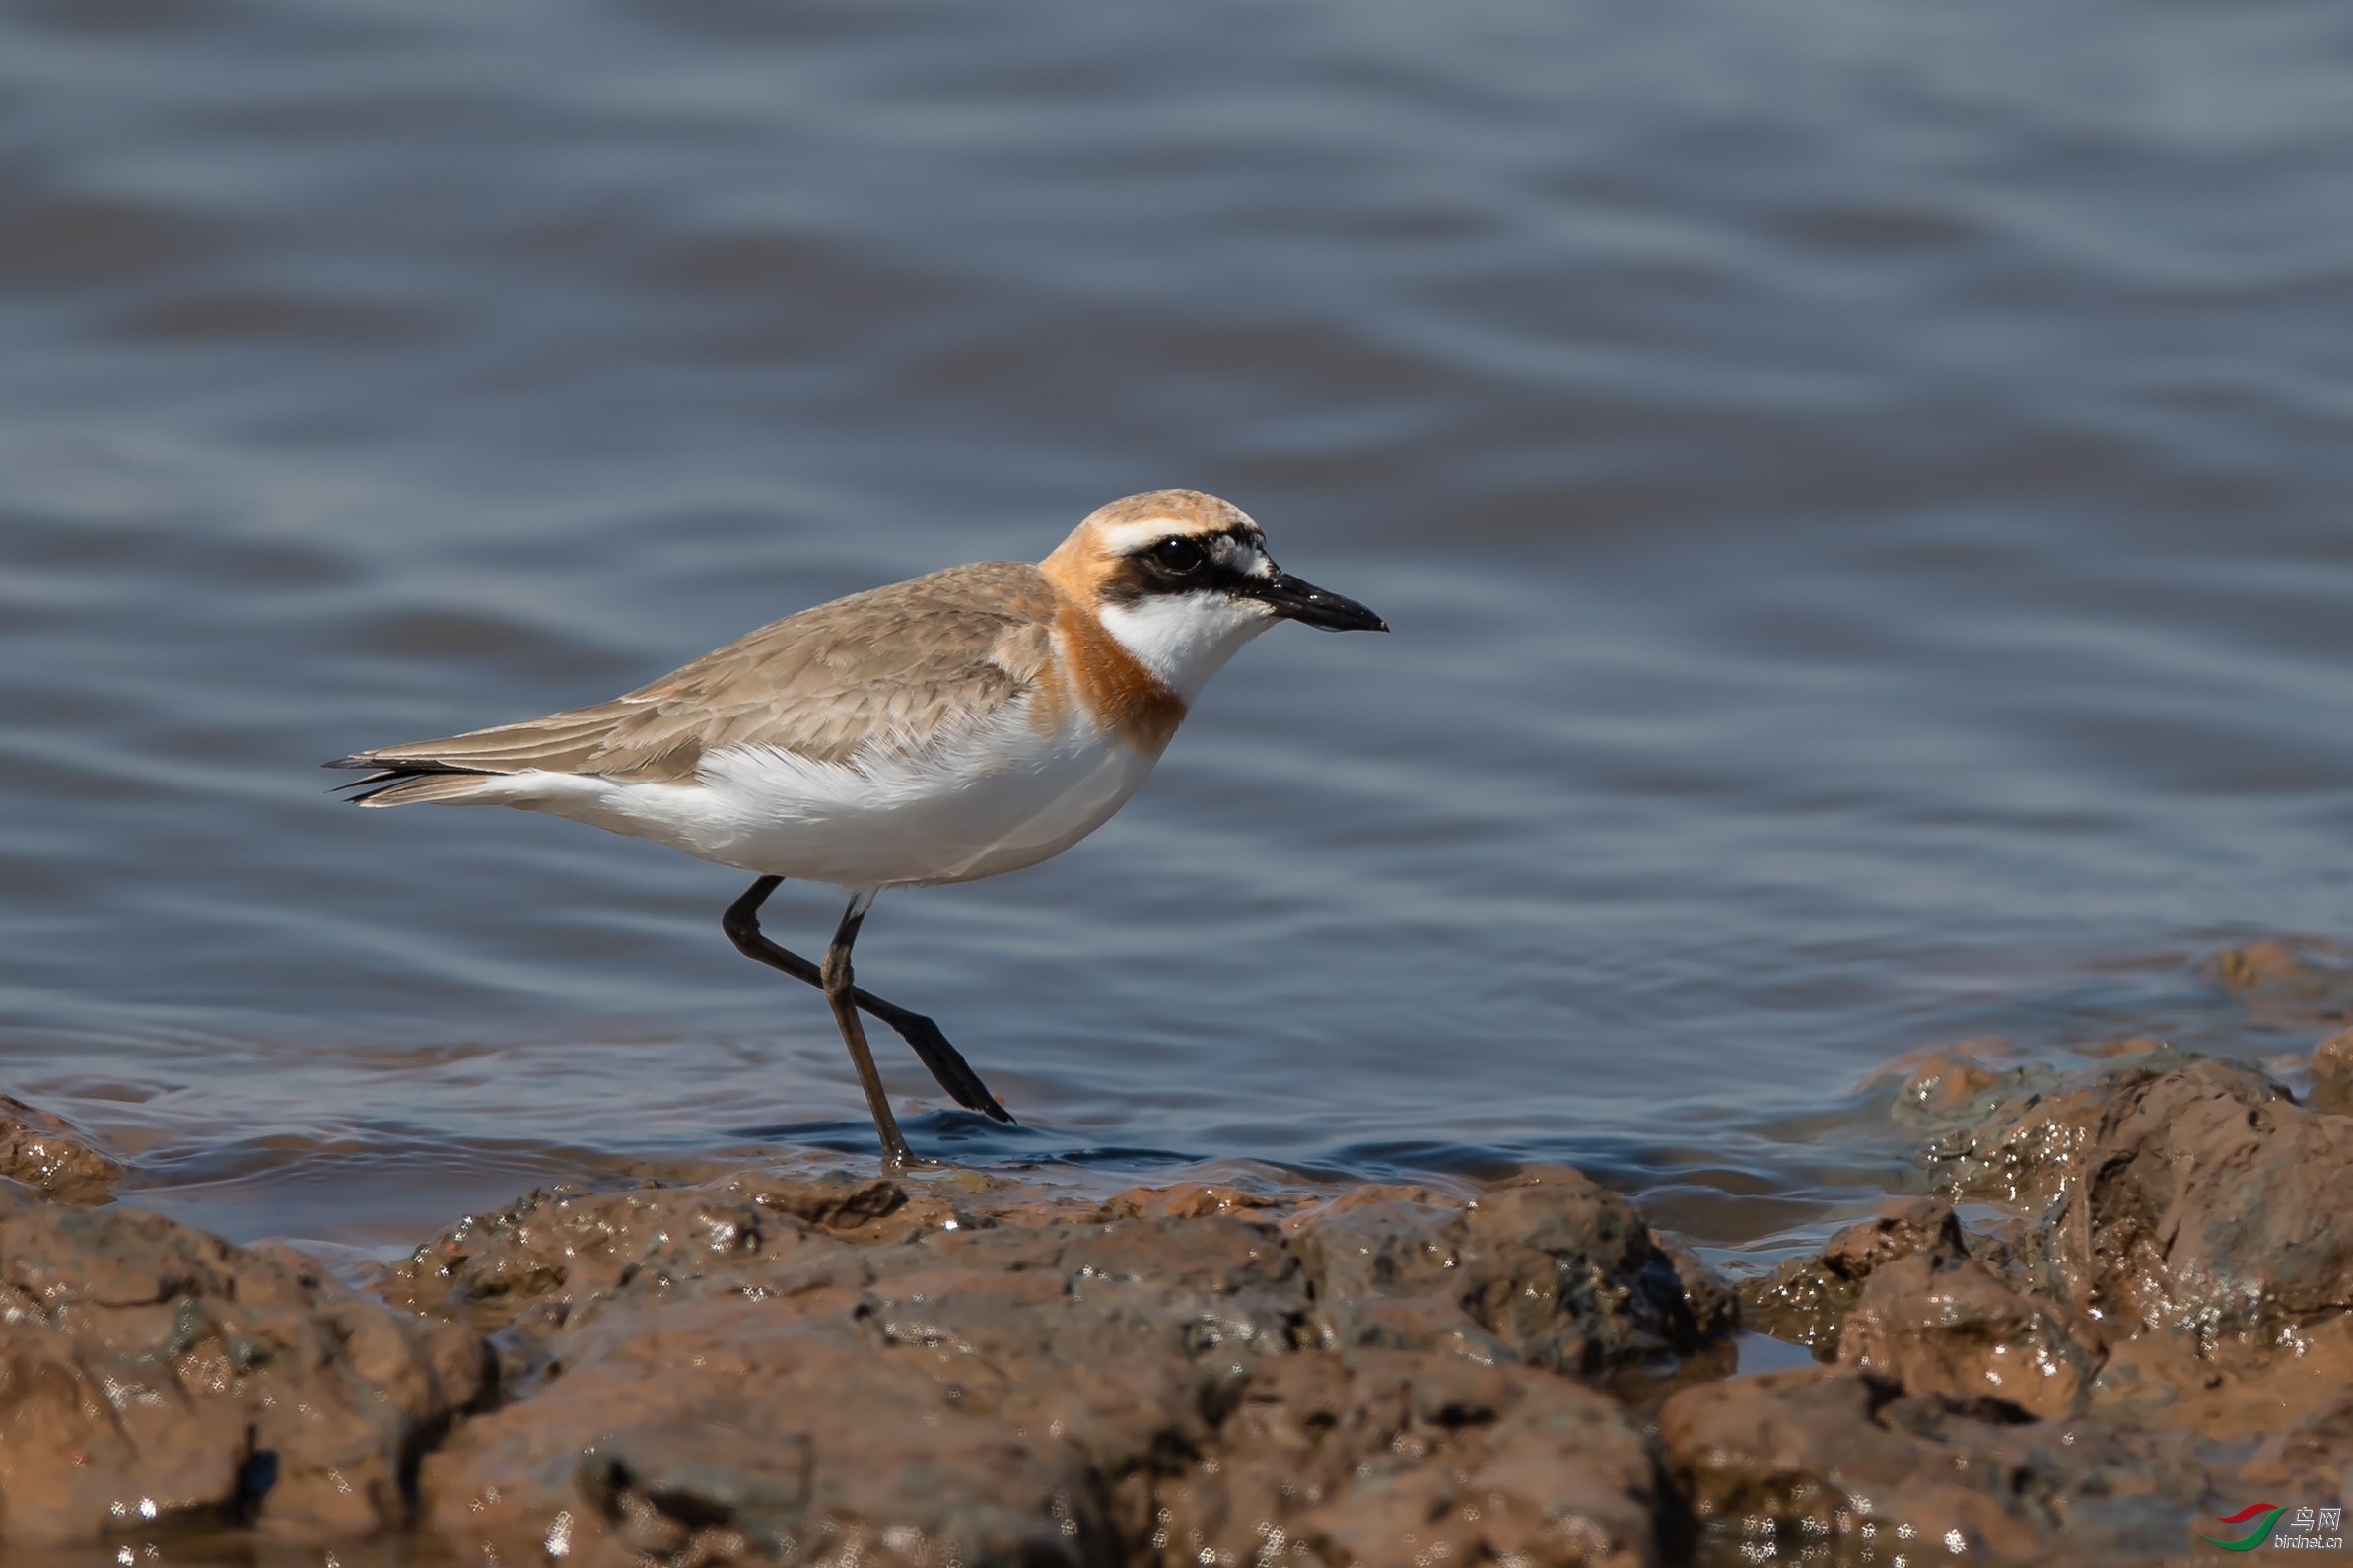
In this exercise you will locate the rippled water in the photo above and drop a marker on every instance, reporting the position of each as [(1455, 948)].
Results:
[(1861, 490)]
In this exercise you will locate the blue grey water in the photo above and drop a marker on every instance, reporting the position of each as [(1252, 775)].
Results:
[(1861, 490)]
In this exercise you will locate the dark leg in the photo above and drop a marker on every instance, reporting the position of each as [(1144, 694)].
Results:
[(838, 996), (743, 925)]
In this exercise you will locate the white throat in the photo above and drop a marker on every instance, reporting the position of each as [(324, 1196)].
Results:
[(1184, 638)]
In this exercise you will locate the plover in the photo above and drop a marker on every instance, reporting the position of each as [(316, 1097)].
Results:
[(953, 726)]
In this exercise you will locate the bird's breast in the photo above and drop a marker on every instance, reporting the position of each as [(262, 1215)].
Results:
[(1092, 682)]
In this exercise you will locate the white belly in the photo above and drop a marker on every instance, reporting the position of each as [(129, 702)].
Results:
[(1003, 799)]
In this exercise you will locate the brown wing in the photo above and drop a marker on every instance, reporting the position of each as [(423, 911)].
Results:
[(884, 669)]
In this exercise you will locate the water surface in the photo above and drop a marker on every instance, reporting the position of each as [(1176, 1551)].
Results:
[(1859, 490)]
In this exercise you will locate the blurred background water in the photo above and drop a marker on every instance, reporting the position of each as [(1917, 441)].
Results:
[(1859, 488)]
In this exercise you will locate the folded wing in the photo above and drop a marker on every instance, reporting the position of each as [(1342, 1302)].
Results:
[(881, 674)]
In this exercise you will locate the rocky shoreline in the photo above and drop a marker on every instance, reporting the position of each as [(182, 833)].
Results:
[(2120, 1308)]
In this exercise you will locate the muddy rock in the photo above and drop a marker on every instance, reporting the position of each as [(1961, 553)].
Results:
[(1839, 1466), (767, 1370), (46, 1153), (736, 1427), (2182, 1259), (1903, 1298), (1807, 1299), (2206, 1203), (1933, 1324), (2022, 1153), (2333, 1075), (2314, 1459), (1902, 1228), (1550, 1269), (2302, 981), (2201, 1229), (552, 1261), (154, 1377), (1372, 1456), (1940, 1082)]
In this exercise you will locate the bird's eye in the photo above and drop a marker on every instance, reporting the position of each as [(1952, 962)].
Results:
[(1178, 555)]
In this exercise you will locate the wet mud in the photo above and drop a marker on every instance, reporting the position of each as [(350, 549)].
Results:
[(2119, 1305)]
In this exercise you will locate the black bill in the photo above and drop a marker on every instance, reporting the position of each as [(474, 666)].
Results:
[(1310, 606)]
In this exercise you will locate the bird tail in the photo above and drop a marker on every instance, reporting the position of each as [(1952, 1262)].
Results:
[(406, 782)]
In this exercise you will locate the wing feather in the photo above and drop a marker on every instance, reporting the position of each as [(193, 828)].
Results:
[(882, 673)]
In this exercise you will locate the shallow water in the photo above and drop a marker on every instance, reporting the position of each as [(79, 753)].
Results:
[(1859, 490)]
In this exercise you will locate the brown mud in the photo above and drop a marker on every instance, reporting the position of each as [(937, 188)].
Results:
[(2121, 1307)]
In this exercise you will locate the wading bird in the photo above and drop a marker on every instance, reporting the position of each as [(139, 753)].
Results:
[(972, 722)]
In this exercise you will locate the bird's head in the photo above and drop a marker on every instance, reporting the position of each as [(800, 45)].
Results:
[(1182, 579)]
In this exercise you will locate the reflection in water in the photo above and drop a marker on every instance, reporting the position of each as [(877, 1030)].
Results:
[(1857, 491)]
